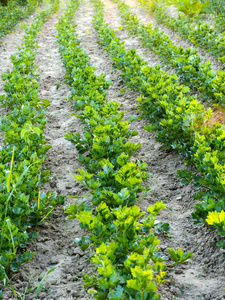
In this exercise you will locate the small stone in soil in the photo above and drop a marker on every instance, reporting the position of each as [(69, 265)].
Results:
[(53, 281), (75, 293), (69, 277), (78, 251), (179, 271), (54, 261)]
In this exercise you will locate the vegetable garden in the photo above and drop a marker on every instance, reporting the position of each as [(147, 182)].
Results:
[(112, 150)]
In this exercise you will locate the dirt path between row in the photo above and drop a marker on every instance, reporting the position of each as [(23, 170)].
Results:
[(203, 277)]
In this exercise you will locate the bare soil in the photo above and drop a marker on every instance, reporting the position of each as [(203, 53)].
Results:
[(203, 277)]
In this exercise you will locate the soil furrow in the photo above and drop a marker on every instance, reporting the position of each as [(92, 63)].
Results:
[(112, 17)]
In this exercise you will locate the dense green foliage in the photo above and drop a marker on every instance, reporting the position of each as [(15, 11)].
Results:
[(199, 33), (126, 249), (217, 7), (192, 7), (188, 65), (180, 121), (13, 13), (22, 154), (197, 8)]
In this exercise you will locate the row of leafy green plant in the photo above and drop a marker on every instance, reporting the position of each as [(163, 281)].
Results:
[(126, 253), (22, 154), (188, 65), (200, 34), (179, 120), (13, 13)]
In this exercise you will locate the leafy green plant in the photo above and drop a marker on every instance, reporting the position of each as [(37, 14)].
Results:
[(179, 256), (190, 68), (217, 220), (151, 5), (179, 120), (199, 33), (123, 262), (129, 265), (192, 7), (37, 289), (11, 14), (217, 8), (22, 155)]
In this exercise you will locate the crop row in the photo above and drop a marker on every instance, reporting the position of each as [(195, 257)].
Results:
[(12, 14), (22, 154), (128, 263), (180, 121), (188, 65), (200, 34)]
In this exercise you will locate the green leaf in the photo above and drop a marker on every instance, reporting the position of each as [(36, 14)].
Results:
[(43, 279), (117, 294)]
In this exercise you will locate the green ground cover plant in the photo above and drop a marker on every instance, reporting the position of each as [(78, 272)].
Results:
[(10, 15), (188, 65), (179, 120), (199, 33), (22, 155), (126, 253), (192, 7), (217, 8)]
